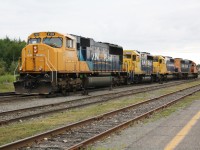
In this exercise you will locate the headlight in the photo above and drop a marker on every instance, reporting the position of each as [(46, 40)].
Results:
[(40, 68), (20, 68), (35, 49)]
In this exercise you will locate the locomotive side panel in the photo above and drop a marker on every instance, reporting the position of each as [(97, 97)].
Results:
[(146, 63), (185, 66), (100, 57), (177, 62), (170, 65)]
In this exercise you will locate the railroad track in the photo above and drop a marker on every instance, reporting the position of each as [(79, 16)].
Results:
[(7, 97), (78, 135), (37, 111), (17, 97), (11, 96), (7, 93)]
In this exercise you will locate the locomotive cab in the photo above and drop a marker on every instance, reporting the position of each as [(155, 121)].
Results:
[(44, 51), (193, 70), (46, 55), (139, 65), (163, 67), (159, 65)]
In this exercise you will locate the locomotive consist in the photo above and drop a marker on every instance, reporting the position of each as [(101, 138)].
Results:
[(52, 62)]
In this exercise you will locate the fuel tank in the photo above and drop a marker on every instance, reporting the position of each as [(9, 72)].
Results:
[(99, 81)]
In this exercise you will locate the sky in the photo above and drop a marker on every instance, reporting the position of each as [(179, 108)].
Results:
[(160, 27)]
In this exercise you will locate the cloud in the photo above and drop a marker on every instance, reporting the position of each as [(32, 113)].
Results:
[(147, 25)]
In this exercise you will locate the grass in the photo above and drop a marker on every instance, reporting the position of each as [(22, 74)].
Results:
[(32, 127), (6, 83)]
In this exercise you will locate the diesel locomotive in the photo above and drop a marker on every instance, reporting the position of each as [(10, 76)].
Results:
[(52, 62)]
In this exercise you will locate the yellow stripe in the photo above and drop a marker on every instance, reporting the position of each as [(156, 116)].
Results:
[(181, 134)]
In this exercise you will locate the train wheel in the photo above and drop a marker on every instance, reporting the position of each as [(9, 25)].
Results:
[(152, 79), (84, 92), (128, 81), (165, 78), (85, 86), (161, 80), (65, 92), (136, 78)]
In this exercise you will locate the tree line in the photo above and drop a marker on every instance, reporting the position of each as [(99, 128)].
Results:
[(10, 51)]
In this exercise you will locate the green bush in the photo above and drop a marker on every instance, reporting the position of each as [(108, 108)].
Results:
[(13, 67), (2, 67), (7, 78), (10, 51)]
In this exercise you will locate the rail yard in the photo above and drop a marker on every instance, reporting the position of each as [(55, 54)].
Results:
[(86, 131), (99, 75), (72, 91)]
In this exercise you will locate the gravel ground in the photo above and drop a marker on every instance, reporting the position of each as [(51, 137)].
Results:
[(154, 135), (42, 101)]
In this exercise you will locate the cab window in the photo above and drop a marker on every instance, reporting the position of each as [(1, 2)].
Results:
[(69, 43), (155, 59), (134, 57), (34, 40), (55, 42), (127, 56)]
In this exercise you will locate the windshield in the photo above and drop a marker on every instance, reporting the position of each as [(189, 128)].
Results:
[(55, 42), (127, 56), (34, 40)]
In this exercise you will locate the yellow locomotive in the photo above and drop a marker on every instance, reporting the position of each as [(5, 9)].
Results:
[(53, 62), (163, 68), (139, 66)]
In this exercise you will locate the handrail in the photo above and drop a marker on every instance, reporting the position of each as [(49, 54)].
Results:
[(53, 68), (18, 65), (49, 68), (15, 70)]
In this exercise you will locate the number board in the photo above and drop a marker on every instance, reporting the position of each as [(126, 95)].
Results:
[(50, 34), (128, 53), (36, 34)]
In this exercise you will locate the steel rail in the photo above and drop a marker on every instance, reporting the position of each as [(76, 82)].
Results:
[(6, 93), (16, 97)]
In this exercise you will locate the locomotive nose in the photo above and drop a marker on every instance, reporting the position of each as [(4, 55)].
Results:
[(35, 57), (33, 87)]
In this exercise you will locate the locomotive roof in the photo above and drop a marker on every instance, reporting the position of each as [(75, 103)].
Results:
[(159, 56), (168, 57), (47, 33), (109, 44)]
